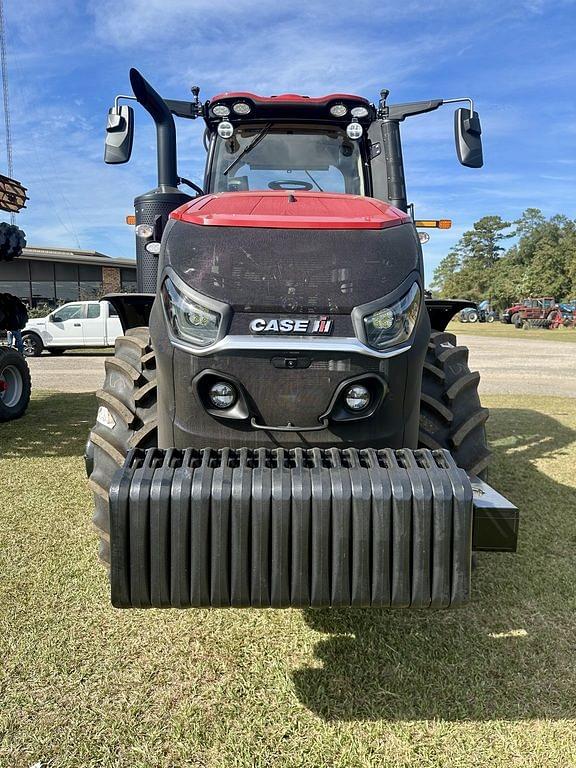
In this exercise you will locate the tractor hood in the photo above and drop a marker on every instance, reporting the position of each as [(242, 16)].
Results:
[(292, 251)]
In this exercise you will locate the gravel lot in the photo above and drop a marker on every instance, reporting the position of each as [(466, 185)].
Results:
[(507, 366)]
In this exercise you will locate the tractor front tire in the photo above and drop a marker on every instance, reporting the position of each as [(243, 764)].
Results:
[(126, 419), (451, 416)]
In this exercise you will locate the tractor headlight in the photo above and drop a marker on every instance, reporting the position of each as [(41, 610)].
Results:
[(189, 320), (394, 324)]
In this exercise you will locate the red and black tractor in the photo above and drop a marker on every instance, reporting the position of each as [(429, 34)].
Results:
[(541, 312), (285, 421)]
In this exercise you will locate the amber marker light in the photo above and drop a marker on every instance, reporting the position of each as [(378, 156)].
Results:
[(434, 223)]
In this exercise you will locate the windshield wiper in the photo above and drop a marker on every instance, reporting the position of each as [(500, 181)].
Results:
[(313, 180), (256, 140)]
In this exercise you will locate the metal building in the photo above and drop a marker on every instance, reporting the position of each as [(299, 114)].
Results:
[(52, 276)]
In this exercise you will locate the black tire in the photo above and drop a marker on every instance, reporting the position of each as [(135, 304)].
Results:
[(56, 350), (472, 316), (12, 241), (126, 419), (15, 385), (451, 416), (33, 344), (490, 318), (514, 319)]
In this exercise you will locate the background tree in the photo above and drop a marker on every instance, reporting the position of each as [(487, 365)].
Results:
[(542, 262)]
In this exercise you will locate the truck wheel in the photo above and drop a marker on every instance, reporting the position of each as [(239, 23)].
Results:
[(472, 316), (514, 319), (14, 385), (126, 419), (33, 344), (451, 416)]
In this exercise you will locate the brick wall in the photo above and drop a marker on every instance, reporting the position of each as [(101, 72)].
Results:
[(111, 280)]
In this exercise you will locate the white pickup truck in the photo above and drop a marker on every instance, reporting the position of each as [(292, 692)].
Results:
[(72, 326)]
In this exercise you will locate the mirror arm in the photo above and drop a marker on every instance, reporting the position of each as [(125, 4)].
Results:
[(122, 96), (457, 101)]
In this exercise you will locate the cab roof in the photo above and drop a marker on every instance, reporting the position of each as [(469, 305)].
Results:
[(287, 107)]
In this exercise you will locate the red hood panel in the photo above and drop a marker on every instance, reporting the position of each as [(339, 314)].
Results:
[(290, 210)]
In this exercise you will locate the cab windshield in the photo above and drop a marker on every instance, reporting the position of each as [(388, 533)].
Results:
[(284, 157)]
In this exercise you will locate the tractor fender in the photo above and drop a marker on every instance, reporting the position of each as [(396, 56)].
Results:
[(441, 311), (133, 308)]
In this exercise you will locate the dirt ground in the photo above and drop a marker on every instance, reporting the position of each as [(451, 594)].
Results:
[(507, 366)]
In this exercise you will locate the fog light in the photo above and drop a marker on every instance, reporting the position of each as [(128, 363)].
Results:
[(359, 112), (222, 395), (225, 129), (357, 397), (241, 108)]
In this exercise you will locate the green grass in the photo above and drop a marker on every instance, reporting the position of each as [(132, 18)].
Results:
[(84, 685), (505, 331)]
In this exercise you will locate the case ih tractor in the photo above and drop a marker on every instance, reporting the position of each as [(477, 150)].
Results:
[(285, 421)]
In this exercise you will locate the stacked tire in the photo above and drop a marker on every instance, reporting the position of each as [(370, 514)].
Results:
[(12, 241)]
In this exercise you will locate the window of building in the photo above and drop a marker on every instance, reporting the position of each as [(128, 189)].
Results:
[(43, 293), (20, 288), (42, 271), (66, 282), (66, 291), (15, 270), (90, 277), (42, 277), (93, 311), (66, 272), (128, 280)]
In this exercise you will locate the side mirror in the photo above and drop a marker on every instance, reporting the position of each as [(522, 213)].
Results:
[(119, 135), (467, 132), (55, 318)]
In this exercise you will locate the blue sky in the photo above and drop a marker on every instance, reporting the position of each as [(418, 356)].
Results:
[(68, 59)]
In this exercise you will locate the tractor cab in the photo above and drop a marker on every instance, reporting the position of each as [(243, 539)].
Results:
[(288, 142)]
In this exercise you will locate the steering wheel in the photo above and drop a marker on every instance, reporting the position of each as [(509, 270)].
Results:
[(291, 185)]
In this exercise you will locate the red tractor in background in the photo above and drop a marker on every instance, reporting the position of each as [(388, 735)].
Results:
[(541, 312)]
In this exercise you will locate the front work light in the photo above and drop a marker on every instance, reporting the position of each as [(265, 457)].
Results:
[(144, 231), (354, 130), (225, 129), (359, 112), (338, 110), (220, 110), (242, 108), (393, 325), (188, 320)]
